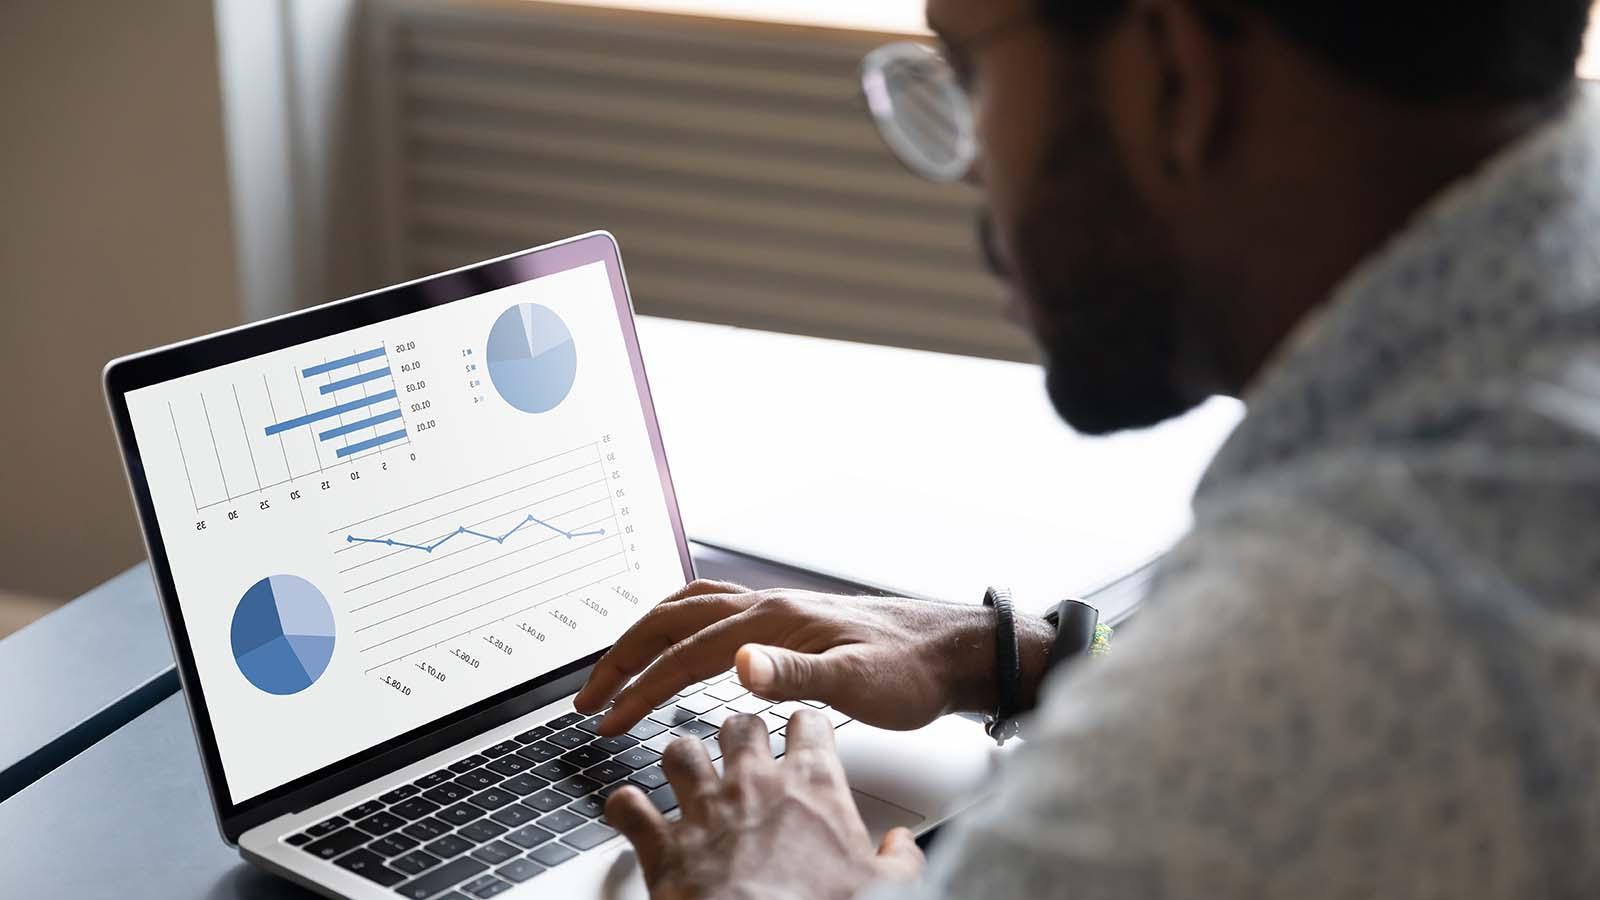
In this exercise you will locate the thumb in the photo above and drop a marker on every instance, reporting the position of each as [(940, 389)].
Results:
[(899, 857), (779, 674)]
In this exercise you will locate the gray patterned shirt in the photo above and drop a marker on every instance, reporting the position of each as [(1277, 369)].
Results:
[(1373, 668)]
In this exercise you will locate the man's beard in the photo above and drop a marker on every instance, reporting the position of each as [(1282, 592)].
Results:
[(1103, 283)]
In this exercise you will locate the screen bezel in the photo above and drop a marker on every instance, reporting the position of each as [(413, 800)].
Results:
[(165, 364)]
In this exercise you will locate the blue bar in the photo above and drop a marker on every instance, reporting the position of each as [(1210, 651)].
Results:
[(353, 427), (329, 413), (354, 380), (368, 445), (341, 363)]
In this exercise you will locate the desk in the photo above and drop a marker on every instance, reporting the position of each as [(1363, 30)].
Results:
[(867, 460)]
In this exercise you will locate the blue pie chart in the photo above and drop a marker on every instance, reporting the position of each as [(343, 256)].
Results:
[(283, 634), (533, 360)]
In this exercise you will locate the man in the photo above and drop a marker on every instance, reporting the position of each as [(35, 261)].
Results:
[(1374, 666)]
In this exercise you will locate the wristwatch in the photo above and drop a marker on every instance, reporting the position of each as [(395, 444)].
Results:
[(1077, 625)]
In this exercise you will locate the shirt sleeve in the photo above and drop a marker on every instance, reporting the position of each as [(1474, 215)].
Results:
[(1283, 720)]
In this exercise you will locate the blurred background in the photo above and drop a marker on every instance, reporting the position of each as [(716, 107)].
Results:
[(173, 167)]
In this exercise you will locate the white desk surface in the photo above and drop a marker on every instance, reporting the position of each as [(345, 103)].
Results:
[(928, 474)]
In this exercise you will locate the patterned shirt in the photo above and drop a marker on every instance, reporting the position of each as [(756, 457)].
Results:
[(1373, 668)]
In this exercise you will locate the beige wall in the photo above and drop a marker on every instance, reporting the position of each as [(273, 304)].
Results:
[(114, 236)]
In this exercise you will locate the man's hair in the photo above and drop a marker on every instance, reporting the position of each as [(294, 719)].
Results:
[(1419, 50)]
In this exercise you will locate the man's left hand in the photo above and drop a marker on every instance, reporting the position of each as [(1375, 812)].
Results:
[(765, 828)]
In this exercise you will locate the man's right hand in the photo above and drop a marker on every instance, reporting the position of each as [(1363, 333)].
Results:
[(890, 662)]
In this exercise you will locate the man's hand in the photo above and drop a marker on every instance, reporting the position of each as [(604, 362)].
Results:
[(766, 828), (889, 662)]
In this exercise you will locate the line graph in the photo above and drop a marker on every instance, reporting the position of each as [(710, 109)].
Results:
[(462, 530)]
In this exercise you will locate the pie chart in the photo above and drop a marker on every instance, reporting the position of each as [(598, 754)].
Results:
[(532, 358), (283, 634)]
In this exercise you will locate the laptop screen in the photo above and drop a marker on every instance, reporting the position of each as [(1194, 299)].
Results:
[(372, 530)]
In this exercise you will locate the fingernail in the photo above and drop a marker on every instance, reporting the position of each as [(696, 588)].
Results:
[(759, 670)]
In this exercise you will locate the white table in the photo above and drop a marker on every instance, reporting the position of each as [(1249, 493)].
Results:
[(927, 474)]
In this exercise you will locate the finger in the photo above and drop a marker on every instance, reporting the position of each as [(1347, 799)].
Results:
[(777, 673), (658, 629), (745, 743), (696, 658), (810, 739), (703, 586), (630, 812), (689, 771), (899, 857)]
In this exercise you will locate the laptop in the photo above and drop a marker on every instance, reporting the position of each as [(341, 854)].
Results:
[(391, 536)]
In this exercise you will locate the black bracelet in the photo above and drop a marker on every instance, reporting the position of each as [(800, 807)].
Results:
[(1008, 665)]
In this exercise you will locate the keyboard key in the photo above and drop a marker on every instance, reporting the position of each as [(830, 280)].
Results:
[(523, 785), (492, 799), (672, 715), (592, 806), (393, 845), (649, 778), (571, 738), (727, 690), (835, 718), (638, 758), (513, 815), (815, 704), (433, 779), (607, 772), (615, 745), (415, 863), (555, 769), (562, 820), (699, 704), (552, 854), (370, 866), (478, 779), (297, 840), (780, 745), (537, 733), (584, 757), (441, 879), (461, 767), (501, 749), (718, 716), (773, 722), (496, 853), (718, 679), (337, 844), (540, 752), (606, 792), (519, 870), (529, 836), (786, 710), (576, 786), (399, 793), (414, 809), (510, 765), (589, 836), (426, 829), (750, 705), (460, 814), (448, 846), (646, 729), (482, 831), (546, 800), (663, 799), (566, 721), (486, 886), (591, 724), (695, 729), (713, 748), (363, 810), (327, 826), (660, 742), (447, 793)]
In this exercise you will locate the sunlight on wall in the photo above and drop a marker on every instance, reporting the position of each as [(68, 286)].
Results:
[(1589, 66)]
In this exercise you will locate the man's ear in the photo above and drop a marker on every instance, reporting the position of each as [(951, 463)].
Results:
[(1188, 54)]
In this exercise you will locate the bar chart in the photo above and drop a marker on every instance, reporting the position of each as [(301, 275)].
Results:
[(294, 422)]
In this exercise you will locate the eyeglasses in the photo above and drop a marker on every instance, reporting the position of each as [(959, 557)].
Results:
[(921, 109)]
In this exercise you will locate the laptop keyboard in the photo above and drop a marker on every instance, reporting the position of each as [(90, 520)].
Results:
[(507, 813)]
